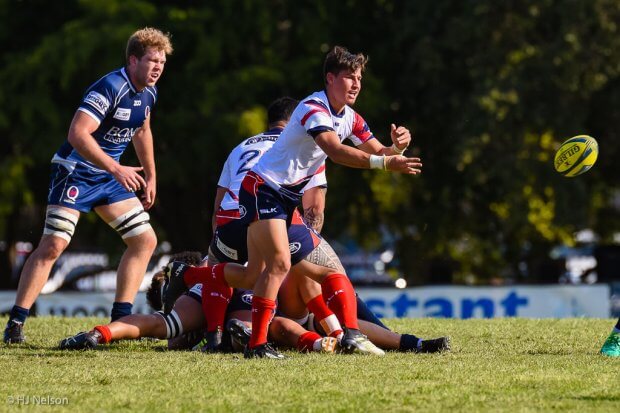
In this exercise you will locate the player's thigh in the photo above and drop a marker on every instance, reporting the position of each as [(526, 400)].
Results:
[(190, 313), (130, 220), (269, 239), (60, 223)]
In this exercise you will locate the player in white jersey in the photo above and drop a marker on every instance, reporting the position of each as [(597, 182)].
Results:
[(87, 175), (271, 190)]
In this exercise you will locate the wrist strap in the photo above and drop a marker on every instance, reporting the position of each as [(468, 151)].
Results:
[(377, 162), (398, 151)]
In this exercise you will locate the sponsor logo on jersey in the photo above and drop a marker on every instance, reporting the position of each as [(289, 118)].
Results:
[(242, 211), (120, 135), (137, 103), (147, 111), (257, 139), (268, 211), (72, 194), (226, 250), (247, 298), (99, 102), (294, 247), (122, 114)]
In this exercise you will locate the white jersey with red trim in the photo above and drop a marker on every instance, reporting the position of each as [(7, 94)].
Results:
[(243, 158), (295, 158)]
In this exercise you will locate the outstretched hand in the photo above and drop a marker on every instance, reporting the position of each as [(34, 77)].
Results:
[(402, 164)]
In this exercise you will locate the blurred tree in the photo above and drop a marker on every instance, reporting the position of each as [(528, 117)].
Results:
[(489, 88)]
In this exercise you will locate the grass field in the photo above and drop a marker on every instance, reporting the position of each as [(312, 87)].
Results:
[(495, 365)]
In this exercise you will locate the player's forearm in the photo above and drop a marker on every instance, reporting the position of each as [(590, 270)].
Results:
[(143, 144), (351, 157), (89, 149)]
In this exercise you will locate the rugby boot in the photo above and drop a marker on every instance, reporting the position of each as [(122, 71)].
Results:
[(239, 332), (354, 341), (174, 285), (213, 342), (434, 345), (81, 341), (263, 351), (330, 345), (611, 347), (14, 332)]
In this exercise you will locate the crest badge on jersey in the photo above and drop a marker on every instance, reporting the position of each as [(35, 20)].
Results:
[(72, 194), (242, 211)]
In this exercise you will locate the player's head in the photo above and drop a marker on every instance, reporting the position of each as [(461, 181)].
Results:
[(154, 292), (146, 55), (280, 111), (343, 75)]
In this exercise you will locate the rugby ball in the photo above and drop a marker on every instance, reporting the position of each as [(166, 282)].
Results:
[(576, 156)]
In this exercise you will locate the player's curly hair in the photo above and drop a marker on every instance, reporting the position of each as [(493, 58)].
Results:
[(148, 37), (154, 292), (339, 59)]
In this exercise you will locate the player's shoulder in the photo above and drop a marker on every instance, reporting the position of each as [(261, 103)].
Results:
[(264, 138), (115, 79), (317, 100)]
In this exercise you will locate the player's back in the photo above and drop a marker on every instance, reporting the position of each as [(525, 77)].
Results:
[(242, 158)]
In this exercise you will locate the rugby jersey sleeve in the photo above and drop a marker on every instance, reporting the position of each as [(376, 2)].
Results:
[(315, 117), (99, 100), (360, 133), (226, 176)]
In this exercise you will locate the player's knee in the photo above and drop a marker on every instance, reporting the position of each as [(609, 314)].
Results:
[(51, 249), (172, 324), (134, 223), (280, 266)]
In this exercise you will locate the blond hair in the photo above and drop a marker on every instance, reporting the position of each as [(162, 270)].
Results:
[(147, 37)]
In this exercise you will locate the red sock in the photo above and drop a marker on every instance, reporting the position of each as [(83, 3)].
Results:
[(306, 341), (216, 296), (339, 296), (106, 334), (197, 275), (326, 318), (263, 310)]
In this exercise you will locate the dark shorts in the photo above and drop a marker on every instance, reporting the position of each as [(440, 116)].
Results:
[(83, 189), (258, 201), (229, 243)]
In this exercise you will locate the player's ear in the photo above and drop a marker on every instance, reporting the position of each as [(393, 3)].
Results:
[(329, 78), (133, 60)]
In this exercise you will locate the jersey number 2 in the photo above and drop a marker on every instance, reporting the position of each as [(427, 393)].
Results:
[(245, 158)]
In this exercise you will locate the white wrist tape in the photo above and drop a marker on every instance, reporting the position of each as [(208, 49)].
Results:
[(398, 151), (377, 162)]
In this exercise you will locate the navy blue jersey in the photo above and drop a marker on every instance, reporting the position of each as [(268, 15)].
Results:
[(120, 111)]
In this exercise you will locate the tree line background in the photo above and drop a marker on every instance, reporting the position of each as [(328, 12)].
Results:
[(490, 89)]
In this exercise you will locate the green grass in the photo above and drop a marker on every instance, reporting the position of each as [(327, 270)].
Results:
[(495, 365)]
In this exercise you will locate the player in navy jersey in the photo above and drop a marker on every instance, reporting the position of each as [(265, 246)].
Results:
[(87, 175), (271, 190)]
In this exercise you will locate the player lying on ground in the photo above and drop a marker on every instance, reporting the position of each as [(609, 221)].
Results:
[(187, 316)]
